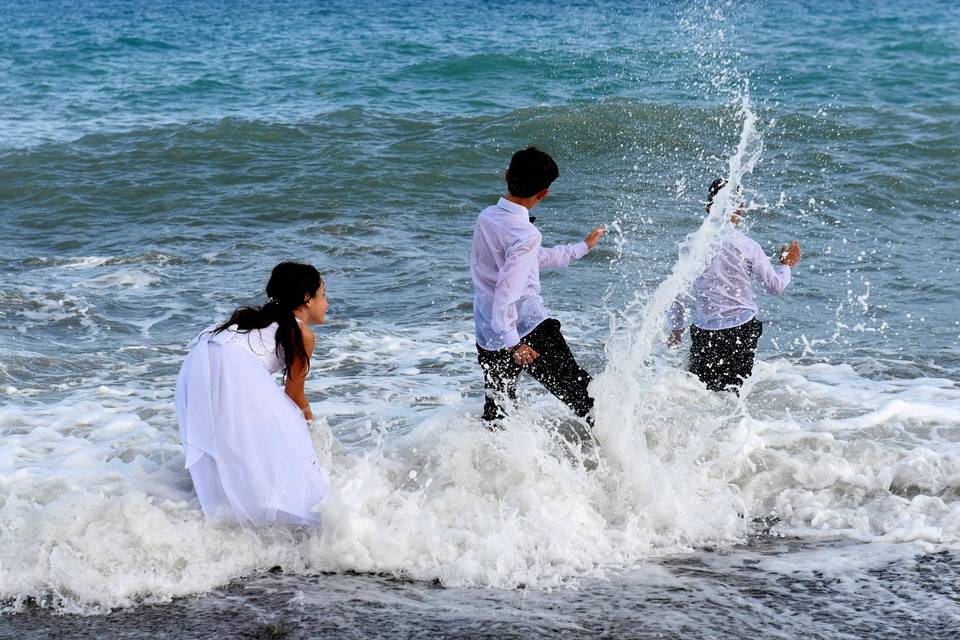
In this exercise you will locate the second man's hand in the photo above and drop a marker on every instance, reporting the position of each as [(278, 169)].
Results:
[(594, 237), (524, 354), (790, 254)]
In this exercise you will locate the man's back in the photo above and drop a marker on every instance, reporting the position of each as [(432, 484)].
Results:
[(495, 232), (724, 293), (504, 234)]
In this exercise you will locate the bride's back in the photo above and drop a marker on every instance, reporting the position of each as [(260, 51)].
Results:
[(262, 343)]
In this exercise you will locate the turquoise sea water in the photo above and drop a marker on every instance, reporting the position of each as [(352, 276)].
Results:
[(156, 159)]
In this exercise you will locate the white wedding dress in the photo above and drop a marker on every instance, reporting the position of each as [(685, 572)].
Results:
[(247, 445)]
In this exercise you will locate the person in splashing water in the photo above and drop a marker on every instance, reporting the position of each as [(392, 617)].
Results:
[(725, 328), (514, 330), (245, 440)]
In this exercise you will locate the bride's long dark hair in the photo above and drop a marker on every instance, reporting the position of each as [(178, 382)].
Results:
[(289, 284)]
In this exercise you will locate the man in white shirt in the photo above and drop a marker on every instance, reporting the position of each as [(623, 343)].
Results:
[(725, 328), (514, 330)]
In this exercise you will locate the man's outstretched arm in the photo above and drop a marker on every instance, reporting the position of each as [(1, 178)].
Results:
[(562, 255), (775, 280)]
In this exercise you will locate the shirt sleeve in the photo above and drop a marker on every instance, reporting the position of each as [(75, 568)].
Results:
[(677, 310), (675, 313), (521, 259), (774, 280), (562, 255)]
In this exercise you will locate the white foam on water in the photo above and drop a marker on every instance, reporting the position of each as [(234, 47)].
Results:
[(96, 510), (132, 278), (26, 306)]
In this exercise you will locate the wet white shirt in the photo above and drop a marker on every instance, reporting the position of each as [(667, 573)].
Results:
[(723, 295), (505, 263)]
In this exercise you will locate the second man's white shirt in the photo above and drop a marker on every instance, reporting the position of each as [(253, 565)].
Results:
[(723, 295), (505, 263)]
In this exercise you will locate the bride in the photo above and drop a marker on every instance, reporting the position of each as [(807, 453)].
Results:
[(247, 443)]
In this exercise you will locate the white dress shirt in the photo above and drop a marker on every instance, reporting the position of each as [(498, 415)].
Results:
[(505, 263), (723, 295)]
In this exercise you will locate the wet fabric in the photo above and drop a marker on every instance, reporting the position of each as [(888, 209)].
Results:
[(723, 295), (723, 358), (556, 369), (246, 443), (505, 262)]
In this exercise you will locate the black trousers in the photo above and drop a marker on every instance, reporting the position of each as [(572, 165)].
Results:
[(556, 369), (723, 359)]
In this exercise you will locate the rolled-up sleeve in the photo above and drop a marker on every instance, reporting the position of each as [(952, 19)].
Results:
[(561, 255), (521, 259)]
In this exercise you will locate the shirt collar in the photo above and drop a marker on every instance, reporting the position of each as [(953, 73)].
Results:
[(513, 207)]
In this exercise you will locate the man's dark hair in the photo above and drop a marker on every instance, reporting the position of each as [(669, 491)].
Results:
[(531, 171), (715, 187)]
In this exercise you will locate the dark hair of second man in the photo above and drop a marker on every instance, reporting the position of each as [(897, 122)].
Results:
[(531, 171), (715, 188)]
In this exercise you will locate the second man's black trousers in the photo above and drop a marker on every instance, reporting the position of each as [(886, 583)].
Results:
[(556, 369), (723, 359)]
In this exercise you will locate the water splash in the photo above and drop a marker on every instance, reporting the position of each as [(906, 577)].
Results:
[(665, 455)]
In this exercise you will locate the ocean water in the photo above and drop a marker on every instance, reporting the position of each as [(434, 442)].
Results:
[(156, 160)]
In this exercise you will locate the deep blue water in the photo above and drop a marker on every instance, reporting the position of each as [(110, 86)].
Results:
[(138, 128)]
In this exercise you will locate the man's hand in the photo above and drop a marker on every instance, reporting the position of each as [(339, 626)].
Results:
[(524, 354), (790, 255), (594, 237), (676, 336)]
